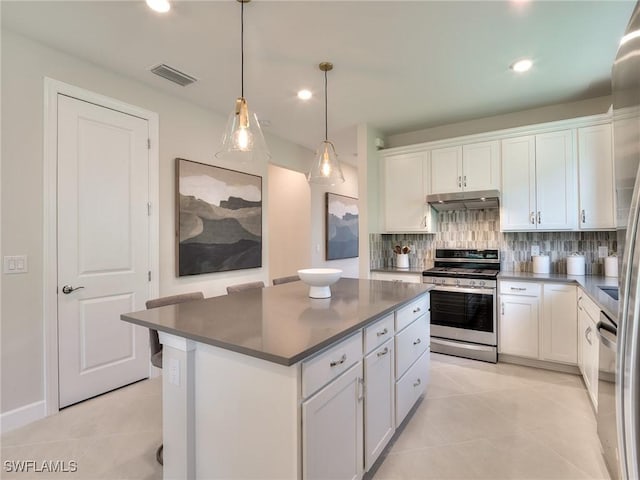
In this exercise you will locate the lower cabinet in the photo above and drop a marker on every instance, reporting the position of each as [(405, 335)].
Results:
[(333, 429), (379, 405), (411, 385), (588, 316), (538, 321)]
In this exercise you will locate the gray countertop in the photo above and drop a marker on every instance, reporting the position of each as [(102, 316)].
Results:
[(589, 284), (280, 324)]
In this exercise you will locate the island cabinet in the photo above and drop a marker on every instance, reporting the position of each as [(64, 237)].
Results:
[(273, 384), (471, 167), (538, 321), (539, 182)]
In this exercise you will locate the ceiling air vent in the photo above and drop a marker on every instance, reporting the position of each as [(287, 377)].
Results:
[(173, 75)]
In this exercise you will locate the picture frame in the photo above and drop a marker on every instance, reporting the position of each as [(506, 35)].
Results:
[(342, 220), (218, 219)]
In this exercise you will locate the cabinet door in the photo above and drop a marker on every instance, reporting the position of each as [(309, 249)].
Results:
[(555, 181), (519, 325), (595, 184), (404, 193), (481, 166), (411, 386), (379, 406), (559, 324), (446, 170), (332, 438), (518, 184)]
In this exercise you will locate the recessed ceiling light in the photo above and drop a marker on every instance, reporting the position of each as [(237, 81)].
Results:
[(522, 65), (305, 94), (161, 6)]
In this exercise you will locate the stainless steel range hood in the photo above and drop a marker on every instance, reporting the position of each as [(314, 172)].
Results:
[(464, 200)]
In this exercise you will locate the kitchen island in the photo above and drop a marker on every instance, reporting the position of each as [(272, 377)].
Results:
[(270, 383)]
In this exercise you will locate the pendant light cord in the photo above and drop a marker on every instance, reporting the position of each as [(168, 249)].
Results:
[(242, 49), (326, 121)]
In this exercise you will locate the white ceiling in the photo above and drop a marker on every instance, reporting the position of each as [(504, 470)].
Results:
[(399, 65)]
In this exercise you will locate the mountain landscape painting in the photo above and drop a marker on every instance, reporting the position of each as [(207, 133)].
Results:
[(342, 227), (219, 219)]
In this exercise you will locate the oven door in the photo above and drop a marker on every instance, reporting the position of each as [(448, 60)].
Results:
[(467, 314)]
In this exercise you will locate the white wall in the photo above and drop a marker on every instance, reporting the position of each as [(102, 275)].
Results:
[(186, 131), (289, 222), (561, 111)]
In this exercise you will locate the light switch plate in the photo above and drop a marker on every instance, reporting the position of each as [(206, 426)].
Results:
[(535, 250), (15, 264), (603, 251)]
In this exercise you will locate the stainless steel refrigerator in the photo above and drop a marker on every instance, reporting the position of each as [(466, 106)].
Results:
[(626, 131)]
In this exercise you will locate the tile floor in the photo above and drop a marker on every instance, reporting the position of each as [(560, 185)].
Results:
[(478, 421)]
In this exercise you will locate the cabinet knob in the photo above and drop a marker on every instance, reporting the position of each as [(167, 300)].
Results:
[(383, 352), (417, 382), (416, 310), (383, 332), (417, 341)]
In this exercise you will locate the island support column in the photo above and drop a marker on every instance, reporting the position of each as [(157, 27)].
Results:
[(178, 407)]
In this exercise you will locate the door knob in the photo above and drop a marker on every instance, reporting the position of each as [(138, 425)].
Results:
[(67, 289)]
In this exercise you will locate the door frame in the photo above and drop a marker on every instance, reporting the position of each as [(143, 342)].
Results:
[(52, 88)]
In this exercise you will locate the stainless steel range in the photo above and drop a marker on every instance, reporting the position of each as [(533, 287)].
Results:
[(463, 303)]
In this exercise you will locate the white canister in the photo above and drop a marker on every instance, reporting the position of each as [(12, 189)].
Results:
[(402, 260), (575, 264), (611, 266), (541, 264)]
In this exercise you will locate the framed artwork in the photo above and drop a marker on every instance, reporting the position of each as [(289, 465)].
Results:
[(218, 219), (341, 227)]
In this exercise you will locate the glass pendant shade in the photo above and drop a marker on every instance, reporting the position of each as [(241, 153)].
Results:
[(243, 140), (326, 167)]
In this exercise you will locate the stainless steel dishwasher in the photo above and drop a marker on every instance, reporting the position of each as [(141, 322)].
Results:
[(607, 426)]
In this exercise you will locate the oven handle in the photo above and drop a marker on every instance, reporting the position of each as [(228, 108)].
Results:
[(479, 290)]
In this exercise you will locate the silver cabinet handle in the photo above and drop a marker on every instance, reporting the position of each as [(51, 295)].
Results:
[(416, 310), (539, 217), (584, 216), (502, 308), (532, 218), (383, 332), (67, 289), (586, 335), (417, 382), (343, 359), (417, 341), (383, 352), (465, 180), (518, 289), (459, 182), (579, 303)]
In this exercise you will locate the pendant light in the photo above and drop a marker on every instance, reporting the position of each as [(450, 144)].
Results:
[(242, 139), (326, 167)]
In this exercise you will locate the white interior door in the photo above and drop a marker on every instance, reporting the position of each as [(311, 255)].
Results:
[(103, 248)]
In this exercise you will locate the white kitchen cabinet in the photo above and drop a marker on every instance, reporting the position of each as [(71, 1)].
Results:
[(539, 182), (411, 386), (408, 277), (332, 444), (595, 177), (379, 406), (588, 316), (519, 325), (405, 188), (559, 324), (471, 167)]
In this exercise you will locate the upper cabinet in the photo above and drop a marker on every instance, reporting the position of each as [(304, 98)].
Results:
[(596, 182), (405, 179), (539, 182), (470, 167)]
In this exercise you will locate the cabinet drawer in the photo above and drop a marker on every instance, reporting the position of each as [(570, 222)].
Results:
[(530, 289), (409, 313), (411, 386), (321, 369), (586, 304), (410, 343), (378, 333), (397, 277)]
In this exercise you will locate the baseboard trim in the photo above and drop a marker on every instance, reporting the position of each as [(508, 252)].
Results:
[(532, 362), (22, 416)]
